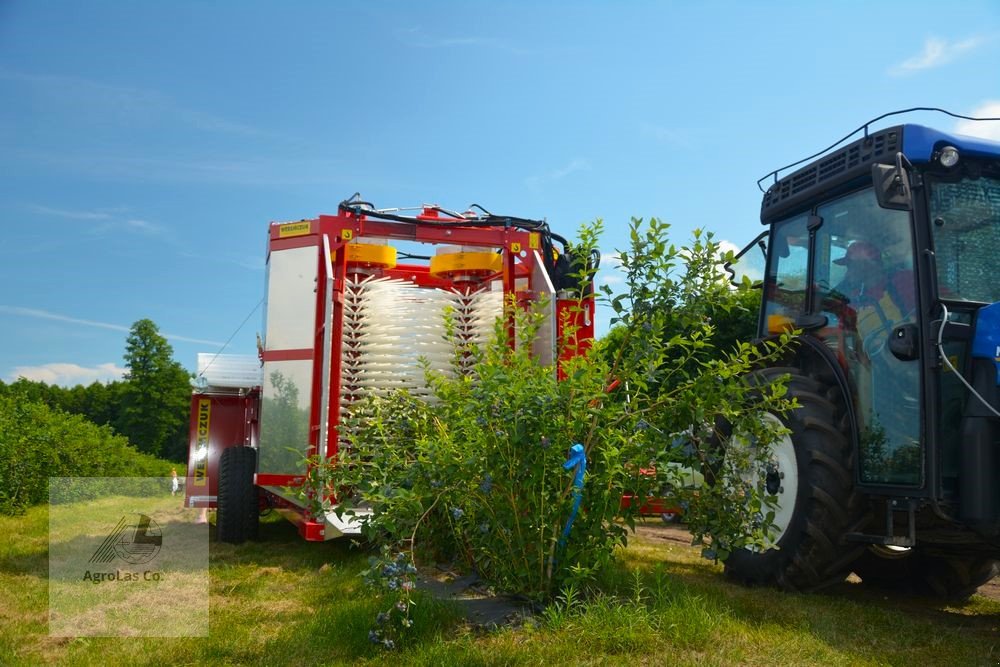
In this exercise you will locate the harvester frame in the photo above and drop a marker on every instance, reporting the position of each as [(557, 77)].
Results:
[(515, 255)]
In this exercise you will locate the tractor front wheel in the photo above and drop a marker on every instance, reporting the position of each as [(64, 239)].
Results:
[(814, 484)]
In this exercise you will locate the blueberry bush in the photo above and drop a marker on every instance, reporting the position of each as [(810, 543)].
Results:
[(479, 473)]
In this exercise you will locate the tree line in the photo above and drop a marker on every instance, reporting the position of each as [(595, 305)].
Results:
[(149, 406)]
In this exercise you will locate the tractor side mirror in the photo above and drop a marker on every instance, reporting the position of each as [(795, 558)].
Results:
[(749, 263), (892, 185), (903, 342)]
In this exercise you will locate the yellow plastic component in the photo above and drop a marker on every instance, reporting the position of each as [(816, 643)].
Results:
[(371, 255), (469, 263), (779, 324)]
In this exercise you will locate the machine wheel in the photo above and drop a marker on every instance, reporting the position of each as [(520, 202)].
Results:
[(948, 577), (238, 518), (817, 500), (953, 578)]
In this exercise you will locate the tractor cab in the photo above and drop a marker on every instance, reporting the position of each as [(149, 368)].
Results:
[(883, 257)]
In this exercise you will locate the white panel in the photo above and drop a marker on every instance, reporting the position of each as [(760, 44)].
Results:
[(230, 370), (544, 346), (291, 299)]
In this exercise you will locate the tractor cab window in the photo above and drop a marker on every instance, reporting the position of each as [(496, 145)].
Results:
[(965, 217), (864, 284), (786, 284)]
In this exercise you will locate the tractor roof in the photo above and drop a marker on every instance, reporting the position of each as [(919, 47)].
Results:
[(837, 170)]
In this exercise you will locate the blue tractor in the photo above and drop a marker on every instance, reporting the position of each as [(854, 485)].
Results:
[(883, 257)]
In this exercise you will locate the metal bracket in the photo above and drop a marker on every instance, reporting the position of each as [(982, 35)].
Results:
[(890, 538)]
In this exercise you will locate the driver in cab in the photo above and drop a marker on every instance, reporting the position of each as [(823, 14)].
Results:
[(872, 300)]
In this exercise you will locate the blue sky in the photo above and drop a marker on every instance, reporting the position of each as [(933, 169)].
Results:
[(144, 147)]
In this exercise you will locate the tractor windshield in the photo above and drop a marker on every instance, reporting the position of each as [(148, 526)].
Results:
[(965, 217)]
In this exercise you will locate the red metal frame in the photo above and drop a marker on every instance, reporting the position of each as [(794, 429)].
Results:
[(219, 420), (340, 230)]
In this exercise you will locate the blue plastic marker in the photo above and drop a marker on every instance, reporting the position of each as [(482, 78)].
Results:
[(576, 459)]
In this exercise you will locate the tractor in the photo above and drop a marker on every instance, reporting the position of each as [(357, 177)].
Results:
[(880, 257)]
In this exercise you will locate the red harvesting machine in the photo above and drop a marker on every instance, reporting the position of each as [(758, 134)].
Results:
[(344, 319)]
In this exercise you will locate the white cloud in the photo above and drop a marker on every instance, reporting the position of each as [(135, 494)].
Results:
[(936, 52), (609, 278), (418, 38), (610, 270), (611, 259), (74, 215), (982, 129), (56, 317), (253, 263), (106, 220), (751, 265), (666, 135), (575, 165), (127, 103), (726, 246), (268, 172), (67, 374)]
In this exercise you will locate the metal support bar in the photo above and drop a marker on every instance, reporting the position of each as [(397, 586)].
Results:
[(324, 396), (890, 538)]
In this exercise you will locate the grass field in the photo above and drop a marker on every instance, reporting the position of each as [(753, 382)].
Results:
[(282, 601)]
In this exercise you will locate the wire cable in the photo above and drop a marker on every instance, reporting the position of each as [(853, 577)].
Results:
[(230, 339), (947, 362)]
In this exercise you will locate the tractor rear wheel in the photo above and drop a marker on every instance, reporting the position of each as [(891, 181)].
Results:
[(953, 578), (237, 517), (817, 499), (950, 577)]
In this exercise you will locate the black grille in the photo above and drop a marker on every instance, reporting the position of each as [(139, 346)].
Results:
[(863, 152)]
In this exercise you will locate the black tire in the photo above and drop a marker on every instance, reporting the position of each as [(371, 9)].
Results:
[(950, 577), (812, 552), (953, 578), (237, 518)]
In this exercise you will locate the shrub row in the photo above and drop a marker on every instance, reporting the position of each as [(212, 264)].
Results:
[(38, 442)]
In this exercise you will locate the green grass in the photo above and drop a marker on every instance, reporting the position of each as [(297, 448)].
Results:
[(284, 601)]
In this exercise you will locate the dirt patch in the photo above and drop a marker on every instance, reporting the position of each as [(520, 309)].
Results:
[(481, 607), (658, 532), (652, 532)]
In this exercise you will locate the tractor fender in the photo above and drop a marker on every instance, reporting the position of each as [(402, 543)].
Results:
[(812, 353)]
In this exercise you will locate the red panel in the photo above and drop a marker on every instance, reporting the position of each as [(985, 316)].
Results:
[(302, 354), (272, 479), (652, 506), (578, 315), (218, 421)]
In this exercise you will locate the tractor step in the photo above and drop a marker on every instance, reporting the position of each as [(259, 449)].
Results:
[(893, 541), (890, 539)]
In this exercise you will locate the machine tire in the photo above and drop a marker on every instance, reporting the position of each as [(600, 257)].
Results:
[(812, 552), (237, 517), (953, 578)]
